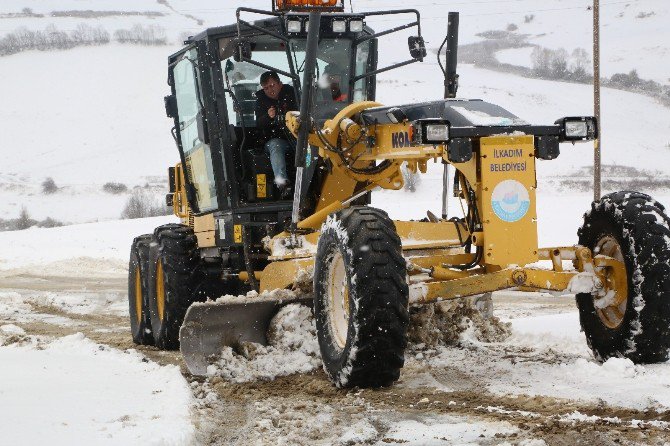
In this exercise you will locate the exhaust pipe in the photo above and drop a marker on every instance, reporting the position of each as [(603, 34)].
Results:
[(450, 75)]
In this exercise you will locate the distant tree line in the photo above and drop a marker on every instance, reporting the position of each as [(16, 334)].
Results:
[(556, 64), (25, 12), (24, 221), (552, 64), (140, 35), (51, 38)]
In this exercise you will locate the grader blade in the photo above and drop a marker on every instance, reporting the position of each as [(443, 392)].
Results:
[(209, 327)]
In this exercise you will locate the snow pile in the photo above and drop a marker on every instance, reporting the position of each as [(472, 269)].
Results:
[(565, 369), (12, 305), (74, 391), (292, 348), (448, 323), (293, 345), (12, 334), (360, 432), (278, 295)]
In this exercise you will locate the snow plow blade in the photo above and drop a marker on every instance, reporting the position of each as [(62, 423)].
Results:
[(211, 326)]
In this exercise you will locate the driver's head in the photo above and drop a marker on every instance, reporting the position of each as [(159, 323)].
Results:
[(332, 80), (335, 82), (271, 84)]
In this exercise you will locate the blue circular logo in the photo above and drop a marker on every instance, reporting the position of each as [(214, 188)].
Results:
[(510, 201)]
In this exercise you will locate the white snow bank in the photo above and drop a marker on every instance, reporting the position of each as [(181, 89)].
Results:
[(73, 391), (574, 373), (12, 305), (92, 249)]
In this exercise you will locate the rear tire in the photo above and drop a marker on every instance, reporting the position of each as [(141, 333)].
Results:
[(138, 290), (174, 271), (361, 298), (633, 227)]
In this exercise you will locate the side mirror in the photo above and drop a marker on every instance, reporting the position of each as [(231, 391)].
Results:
[(417, 47), (242, 50), (170, 106)]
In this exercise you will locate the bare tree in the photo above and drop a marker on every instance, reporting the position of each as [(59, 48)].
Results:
[(24, 221), (142, 204)]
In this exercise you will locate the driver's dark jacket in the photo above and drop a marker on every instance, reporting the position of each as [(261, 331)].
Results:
[(272, 128)]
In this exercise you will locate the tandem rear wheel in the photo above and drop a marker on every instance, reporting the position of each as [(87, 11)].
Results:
[(173, 271), (138, 291)]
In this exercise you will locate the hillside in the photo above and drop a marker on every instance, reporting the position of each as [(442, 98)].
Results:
[(92, 115)]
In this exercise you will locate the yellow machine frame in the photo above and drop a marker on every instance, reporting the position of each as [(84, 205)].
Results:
[(433, 250)]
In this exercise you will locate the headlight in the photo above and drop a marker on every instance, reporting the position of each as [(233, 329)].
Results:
[(356, 26), (339, 26), (578, 129), (294, 26), (431, 131), (437, 133)]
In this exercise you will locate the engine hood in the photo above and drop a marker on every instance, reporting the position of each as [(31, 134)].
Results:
[(459, 113)]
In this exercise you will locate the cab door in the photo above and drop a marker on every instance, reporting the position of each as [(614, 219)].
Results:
[(192, 132)]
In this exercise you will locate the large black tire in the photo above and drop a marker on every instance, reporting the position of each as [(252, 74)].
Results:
[(633, 227), (174, 271), (138, 291), (359, 253)]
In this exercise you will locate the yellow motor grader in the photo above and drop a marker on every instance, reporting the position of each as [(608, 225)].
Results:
[(362, 269)]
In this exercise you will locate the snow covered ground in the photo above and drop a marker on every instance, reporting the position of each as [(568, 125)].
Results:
[(118, 397), (74, 391)]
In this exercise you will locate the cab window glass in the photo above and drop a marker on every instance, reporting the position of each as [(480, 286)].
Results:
[(362, 66), (197, 154), (243, 79), (333, 74)]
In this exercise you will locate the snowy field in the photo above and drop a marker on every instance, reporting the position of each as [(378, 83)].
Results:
[(69, 373), (118, 397)]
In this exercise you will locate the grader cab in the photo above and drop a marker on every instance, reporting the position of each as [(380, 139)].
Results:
[(363, 269)]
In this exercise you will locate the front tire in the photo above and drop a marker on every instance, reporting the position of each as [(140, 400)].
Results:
[(138, 289), (361, 298), (174, 275), (633, 228)]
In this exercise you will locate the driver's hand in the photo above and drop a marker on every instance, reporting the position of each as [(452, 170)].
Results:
[(272, 112)]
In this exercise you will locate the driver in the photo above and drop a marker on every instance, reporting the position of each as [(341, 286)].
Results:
[(272, 102), (332, 80)]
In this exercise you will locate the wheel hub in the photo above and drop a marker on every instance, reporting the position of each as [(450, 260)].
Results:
[(138, 295), (160, 290), (611, 306), (338, 301)]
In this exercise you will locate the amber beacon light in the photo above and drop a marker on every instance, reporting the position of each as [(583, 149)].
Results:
[(308, 5)]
